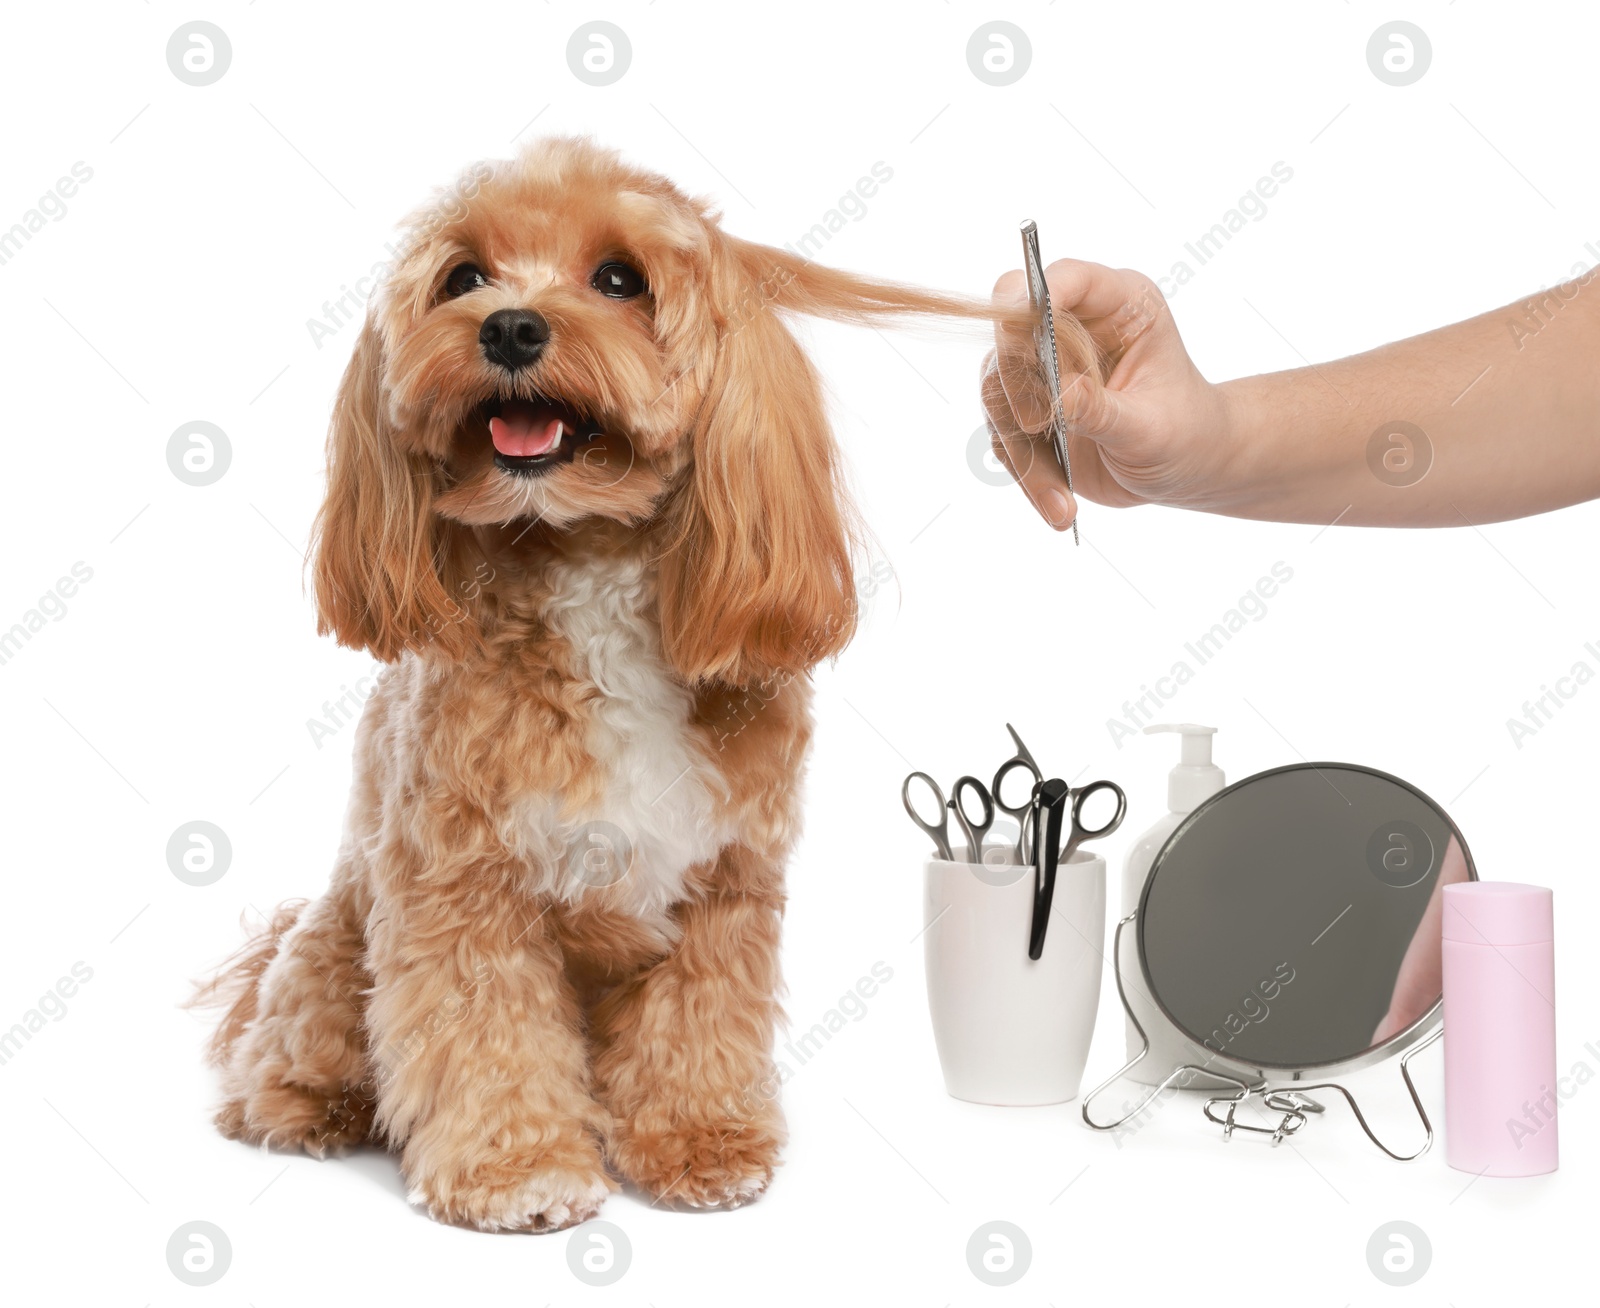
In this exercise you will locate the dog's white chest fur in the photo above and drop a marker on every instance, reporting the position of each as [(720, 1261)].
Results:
[(659, 816)]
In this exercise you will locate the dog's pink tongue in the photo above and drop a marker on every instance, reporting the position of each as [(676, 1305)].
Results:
[(523, 430)]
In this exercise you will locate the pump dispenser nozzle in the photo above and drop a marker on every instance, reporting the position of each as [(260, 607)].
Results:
[(1196, 778)]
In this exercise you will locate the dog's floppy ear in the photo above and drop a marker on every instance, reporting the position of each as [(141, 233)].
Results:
[(756, 576), (378, 572)]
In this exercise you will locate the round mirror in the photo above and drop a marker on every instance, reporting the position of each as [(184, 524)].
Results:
[(1292, 921)]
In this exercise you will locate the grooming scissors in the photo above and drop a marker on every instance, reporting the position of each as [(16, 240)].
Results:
[(940, 832), (1044, 339), (1024, 760)]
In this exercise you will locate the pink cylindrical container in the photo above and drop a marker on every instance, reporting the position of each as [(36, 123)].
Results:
[(1499, 1029)]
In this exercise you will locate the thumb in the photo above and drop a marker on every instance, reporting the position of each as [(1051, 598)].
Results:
[(1096, 413)]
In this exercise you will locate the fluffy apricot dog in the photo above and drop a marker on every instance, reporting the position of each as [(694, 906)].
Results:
[(584, 501)]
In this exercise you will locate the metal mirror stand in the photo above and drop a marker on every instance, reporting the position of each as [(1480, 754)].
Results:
[(1291, 1102)]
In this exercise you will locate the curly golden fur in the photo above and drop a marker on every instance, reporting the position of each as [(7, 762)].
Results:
[(548, 957)]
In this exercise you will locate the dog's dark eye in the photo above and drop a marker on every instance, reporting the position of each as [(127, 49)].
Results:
[(618, 281), (463, 278)]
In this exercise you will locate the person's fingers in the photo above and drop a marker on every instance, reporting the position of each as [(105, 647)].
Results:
[(1143, 308), (1015, 395), (1041, 480), (1091, 291), (1095, 412), (1028, 458), (1019, 374), (997, 443), (1003, 425), (1057, 507), (1099, 310), (1109, 301)]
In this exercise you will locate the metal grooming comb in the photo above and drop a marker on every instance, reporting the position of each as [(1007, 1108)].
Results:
[(1044, 339)]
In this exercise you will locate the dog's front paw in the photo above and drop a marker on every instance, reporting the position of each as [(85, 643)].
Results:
[(517, 1191), (289, 1116), (719, 1165)]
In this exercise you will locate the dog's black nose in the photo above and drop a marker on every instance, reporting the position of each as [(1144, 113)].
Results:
[(513, 338)]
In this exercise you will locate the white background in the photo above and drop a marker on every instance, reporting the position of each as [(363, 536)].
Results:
[(178, 685)]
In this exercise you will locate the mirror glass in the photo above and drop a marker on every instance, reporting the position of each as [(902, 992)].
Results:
[(1292, 920)]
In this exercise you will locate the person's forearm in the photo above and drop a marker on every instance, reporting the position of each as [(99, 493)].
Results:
[(1508, 406)]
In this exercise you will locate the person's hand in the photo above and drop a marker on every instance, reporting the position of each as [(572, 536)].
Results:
[(1154, 431)]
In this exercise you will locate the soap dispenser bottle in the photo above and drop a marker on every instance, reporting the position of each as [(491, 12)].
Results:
[(1190, 784)]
